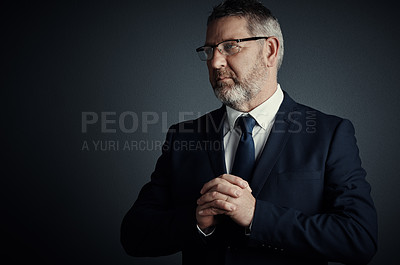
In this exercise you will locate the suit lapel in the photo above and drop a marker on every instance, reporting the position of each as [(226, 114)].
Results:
[(214, 132), (275, 144)]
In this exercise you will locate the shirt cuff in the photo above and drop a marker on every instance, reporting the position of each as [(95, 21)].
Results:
[(247, 230), (209, 231)]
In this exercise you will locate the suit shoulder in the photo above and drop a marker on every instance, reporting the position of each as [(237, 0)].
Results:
[(304, 112), (308, 116), (308, 112)]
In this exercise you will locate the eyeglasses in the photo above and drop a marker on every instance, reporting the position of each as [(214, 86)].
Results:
[(226, 47)]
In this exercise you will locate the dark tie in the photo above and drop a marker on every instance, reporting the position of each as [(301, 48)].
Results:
[(245, 153)]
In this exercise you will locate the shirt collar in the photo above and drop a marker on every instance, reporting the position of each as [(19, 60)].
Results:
[(264, 113)]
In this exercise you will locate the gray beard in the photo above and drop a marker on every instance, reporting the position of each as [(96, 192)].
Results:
[(237, 94), (240, 93)]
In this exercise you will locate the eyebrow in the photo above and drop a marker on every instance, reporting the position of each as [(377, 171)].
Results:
[(237, 40), (213, 45), (233, 38)]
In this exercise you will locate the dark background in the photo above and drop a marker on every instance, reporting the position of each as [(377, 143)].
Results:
[(64, 205)]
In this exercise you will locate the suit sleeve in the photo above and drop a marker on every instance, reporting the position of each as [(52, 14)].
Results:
[(346, 231), (154, 226)]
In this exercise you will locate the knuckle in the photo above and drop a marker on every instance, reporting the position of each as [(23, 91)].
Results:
[(219, 204), (222, 204), (215, 204)]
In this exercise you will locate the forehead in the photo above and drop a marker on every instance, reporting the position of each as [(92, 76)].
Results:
[(226, 28)]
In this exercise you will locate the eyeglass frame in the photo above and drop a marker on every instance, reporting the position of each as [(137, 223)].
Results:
[(198, 50)]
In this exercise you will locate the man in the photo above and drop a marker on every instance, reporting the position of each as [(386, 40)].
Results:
[(253, 182)]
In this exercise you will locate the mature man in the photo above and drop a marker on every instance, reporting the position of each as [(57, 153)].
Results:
[(253, 182)]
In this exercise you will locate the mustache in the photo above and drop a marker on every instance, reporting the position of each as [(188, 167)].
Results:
[(223, 73)]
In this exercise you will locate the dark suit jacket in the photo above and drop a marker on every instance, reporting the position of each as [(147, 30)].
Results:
[(313, 202)]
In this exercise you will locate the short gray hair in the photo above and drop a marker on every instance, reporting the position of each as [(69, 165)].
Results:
[(260, 20)]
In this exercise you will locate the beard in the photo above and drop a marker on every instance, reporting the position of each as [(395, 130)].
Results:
[(234, 92)]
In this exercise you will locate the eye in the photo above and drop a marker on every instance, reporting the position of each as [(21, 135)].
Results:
[(228, 46)]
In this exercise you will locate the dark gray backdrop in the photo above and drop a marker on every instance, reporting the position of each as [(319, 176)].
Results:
[(64, 205)]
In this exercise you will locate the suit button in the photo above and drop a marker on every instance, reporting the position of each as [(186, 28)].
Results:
[(275, 248), (229, 247), (281, 249)]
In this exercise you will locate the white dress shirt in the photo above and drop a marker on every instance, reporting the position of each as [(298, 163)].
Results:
[(264, 115)]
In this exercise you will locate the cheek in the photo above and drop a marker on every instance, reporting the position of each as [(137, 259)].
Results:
[(239, 65), (243, 67), (238, 71)]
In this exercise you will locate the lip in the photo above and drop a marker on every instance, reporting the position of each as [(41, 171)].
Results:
[(223, 78)]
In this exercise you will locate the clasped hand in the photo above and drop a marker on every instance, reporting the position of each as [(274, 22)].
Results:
[(229, 195)]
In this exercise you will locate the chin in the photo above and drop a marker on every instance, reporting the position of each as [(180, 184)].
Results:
[(230, 98)]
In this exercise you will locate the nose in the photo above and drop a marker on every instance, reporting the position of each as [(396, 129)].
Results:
[(218, 60)]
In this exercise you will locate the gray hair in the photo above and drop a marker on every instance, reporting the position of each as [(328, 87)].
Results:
[(260, 20)]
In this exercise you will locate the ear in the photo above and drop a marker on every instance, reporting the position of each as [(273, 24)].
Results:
[(271, 51)]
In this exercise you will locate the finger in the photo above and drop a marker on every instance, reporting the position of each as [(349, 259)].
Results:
[(212, 183), (249, 189), (216, 207), (235, 180), (227, 189), (211, 212), (212, 196)]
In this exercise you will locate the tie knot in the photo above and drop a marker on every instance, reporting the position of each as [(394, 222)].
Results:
[(246, 123)]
